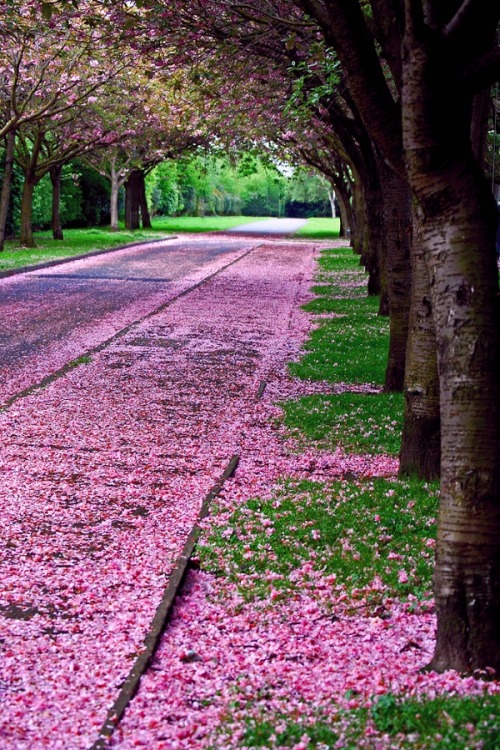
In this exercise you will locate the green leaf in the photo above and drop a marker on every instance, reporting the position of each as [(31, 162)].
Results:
[(47, 11)]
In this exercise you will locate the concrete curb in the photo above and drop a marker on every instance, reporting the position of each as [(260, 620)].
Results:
[(82, 256), (161, 618)]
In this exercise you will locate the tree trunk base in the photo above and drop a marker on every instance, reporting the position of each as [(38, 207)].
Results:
[(420, 449)]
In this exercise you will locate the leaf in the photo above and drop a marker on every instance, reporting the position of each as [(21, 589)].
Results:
[(47, 11)]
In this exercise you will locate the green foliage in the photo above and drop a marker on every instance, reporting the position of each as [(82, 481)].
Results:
[(264, 734), (213, 184)]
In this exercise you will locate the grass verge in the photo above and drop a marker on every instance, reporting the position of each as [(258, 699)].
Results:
[(356, 546), (320, 229), (368, 539)]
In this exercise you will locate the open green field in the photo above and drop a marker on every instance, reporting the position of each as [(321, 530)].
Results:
[(82, 241)]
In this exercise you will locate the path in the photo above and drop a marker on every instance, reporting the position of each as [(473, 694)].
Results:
[(270, 226), (53, 316), (103, 474)]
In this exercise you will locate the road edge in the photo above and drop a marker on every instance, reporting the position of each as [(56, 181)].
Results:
[(163, 613)]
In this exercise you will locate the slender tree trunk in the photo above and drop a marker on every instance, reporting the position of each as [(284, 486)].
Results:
[(10, 143), (143, 203), (397, 226), (26, 235), (132, 201), (420, 444), (374, 238), (115, 189), (331, 198), (55, 178), (458, 235), (357, 219), (345, 223)]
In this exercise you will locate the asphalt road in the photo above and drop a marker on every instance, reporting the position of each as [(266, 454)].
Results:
[(52, 316), (269, 226)]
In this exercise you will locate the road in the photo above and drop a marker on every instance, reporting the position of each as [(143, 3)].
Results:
[(53, 316), (105, 469), (270, 226)]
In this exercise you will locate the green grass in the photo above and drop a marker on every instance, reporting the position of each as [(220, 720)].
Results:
[(320, 229), (355, 530), (76, 242), (359, 422), (444, 723), (202, 223), (82, 241), (351, 342), (351, 349)]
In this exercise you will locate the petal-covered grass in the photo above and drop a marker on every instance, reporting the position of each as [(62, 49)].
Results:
[(345, 538), (358, 422)]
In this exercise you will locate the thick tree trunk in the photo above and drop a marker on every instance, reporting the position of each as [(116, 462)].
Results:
[(6, 183), (397, 226), (26, 235), (143, 202), (420, 444), (461, 248), (132, 200), (55, 178), (458, 234)]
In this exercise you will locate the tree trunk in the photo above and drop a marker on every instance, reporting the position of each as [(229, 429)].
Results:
[(397, 226), (331, 198), (345, 224), (458, 234), (132, 200), (143, 203), (26, 235), (357, 219), (55, 178), (6, 183), (115, 189), (420, 444), (374, 238)]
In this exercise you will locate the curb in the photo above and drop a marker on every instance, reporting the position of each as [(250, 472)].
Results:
[(161, 618), (82, 256)]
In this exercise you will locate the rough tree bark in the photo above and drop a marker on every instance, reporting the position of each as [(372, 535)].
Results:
[(10, 143), (397, 225), (420, 442), (458, 236)]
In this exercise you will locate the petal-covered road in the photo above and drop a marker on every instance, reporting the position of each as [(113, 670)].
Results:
[(104, 472), (52, 316)]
